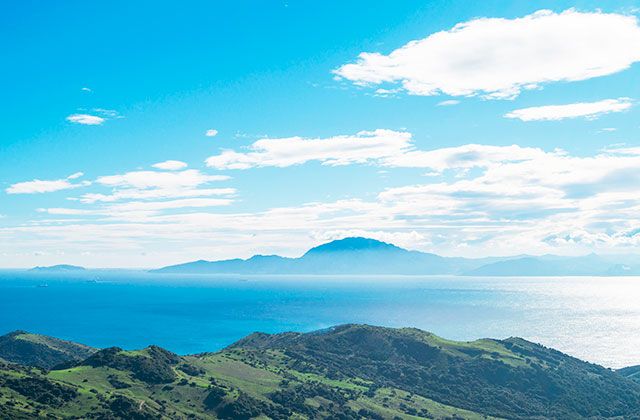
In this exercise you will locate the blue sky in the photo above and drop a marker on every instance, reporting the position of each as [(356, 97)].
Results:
[(513, 132)]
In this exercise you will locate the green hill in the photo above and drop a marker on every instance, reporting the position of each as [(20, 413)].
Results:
[(631, 372), (39, 350), (346, 372)]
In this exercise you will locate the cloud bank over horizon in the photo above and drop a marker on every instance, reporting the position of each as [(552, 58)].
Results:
[(478, 200)]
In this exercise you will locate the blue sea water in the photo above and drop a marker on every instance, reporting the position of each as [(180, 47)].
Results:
[(594, 318)]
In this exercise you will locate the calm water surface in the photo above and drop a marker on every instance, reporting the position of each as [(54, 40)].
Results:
[(593, 318)]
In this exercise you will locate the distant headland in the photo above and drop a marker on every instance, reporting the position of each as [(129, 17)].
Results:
[(366, 256), (58, 268)]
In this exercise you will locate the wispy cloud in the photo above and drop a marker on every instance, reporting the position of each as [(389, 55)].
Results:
[(155, 185), (211, 133), (154, 194), (154, 179), (498, 58), (45, 186), (139, 208), (98, 116), (449, 102), (380, 147), (85, 119), (170, 165), (589, 110), (362, 147)]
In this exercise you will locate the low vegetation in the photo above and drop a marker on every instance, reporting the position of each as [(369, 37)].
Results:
[(346, 372)]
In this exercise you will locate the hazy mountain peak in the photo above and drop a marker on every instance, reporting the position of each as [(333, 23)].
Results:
[(353, 244), (359, 255)]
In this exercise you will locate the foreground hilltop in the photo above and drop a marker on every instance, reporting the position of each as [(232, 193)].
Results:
[(369, 256), (40, 350), (349, 372)]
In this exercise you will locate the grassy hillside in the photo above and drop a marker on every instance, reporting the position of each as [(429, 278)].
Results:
[(38, 350), (346, 372)]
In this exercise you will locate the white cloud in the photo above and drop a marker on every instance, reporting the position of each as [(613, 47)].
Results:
[(45, 186), (108, 113), (516, 199), (363, 147), (86, 89), (135, 210), (588, 110), (211, 133), (380, 147), (449, 102), (170, 165), (172, 204), (498, 58), (85, 119), (153, 194), (153, 179), (154, 185), (75, 175), (64, 211), (463, 157), (92, 119)]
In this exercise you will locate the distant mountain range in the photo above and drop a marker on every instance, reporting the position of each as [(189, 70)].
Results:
[(60, 268), (369, 256), (343, 372)]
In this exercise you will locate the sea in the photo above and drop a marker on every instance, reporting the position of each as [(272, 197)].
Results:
[(593, 318)]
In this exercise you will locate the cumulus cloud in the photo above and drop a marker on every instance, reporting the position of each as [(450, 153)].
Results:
[(170, 165), (363, 147), (589, 110), (45, 186), (211, 133), (85, 119), (498, 58)]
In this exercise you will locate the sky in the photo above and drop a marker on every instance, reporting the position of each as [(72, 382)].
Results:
[(142, 134)]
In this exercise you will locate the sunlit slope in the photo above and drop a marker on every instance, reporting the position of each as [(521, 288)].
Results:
[(39, 350), (350, 371)]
